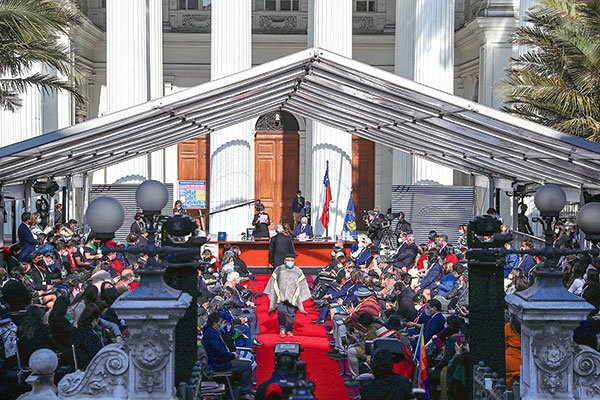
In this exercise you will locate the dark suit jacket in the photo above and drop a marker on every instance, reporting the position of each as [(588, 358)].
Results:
[(405, 256), (281, 245), (27, 241), (298, 231)]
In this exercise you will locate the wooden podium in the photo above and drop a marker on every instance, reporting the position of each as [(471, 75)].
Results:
[(310, 254)]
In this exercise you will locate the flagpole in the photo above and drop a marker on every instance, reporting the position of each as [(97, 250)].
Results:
[(329, 209)]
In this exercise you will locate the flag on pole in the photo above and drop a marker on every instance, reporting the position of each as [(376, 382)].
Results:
[(326, 198), (350, 220), (422, 380)]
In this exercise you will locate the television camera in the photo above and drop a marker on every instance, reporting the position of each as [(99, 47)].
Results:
[(298, 388)]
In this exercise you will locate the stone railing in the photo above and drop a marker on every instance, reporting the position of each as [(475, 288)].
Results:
[(488, 386)]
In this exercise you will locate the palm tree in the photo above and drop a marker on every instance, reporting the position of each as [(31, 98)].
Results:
[(557, 82), (29, 32)]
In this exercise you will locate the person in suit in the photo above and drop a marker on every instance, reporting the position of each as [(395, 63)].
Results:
[(261, 222), (26, 239), (137, 226), (406, 253), (281, 245), (303, 228), (297, 206)]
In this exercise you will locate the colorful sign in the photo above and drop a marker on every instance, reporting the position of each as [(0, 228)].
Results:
[(192, 194)]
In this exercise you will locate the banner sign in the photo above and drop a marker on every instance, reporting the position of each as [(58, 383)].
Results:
[(192, 194)]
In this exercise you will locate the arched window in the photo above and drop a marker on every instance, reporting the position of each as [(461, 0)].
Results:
[(279, 121)]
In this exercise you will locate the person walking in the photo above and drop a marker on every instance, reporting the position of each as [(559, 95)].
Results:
[(281, 245), (287, 290)]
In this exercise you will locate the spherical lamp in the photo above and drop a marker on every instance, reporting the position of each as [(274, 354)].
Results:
[(588, 220), (43, 362), (105, 215), (550, 199), (151, 196)]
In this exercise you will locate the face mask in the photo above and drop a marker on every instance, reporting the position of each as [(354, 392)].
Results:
[(289, 264), (40, 220), (347, 275), (428, 312), (303, 225), (400, 241)]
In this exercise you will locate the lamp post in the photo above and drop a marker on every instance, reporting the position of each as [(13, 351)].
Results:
[(154, 308), (547, 311)]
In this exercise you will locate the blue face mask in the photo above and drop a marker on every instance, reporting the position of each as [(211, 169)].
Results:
[(289, 264)]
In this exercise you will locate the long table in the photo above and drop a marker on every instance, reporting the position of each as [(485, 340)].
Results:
[(310, 254)]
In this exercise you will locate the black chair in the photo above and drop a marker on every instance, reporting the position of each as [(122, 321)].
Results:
[(23, 365)]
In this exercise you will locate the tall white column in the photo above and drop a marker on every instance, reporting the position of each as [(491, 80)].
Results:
[(133, 68), (231, 149), (424, 52), (330, 28)]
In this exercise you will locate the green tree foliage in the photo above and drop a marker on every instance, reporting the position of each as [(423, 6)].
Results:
[(29, 31), (557, 81)]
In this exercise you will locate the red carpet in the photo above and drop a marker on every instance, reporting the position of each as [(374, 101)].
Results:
[(321, 369)]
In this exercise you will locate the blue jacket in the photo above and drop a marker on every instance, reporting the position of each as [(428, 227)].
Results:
[(511, 261), (219, 356), (350, 297), (343, 291), (26, 240), (434, 326), (308, 230), (527, 262), (434, 273), (362, 258), (446, 284)]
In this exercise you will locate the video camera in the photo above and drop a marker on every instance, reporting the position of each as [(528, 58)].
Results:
[(484, 233), (298, 388)]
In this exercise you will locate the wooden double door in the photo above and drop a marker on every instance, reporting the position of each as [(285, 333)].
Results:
[(277, 168)]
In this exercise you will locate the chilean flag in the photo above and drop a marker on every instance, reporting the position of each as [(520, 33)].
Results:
[(326, 198)]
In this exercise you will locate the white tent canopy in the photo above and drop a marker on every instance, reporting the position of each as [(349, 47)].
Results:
[(333, 90)]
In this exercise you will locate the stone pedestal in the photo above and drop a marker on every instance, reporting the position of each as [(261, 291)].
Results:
[(151, 344), (330, 28), (232, 148), (552, 365)]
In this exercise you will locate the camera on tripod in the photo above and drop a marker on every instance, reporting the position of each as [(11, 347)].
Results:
[(483, 232)]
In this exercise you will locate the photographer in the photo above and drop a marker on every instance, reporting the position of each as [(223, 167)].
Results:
[(285, 364)]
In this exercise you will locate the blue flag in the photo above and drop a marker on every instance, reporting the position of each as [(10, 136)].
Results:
[(350, 220)]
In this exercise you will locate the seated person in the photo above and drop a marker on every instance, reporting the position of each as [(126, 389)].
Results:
[(240, 308), (303, 230), (86, 340), (434, 322), (331, 297), (385, 384), (33, 334), (221, 359), (284, 371), (450, 274), (363, 254), (434, 272)]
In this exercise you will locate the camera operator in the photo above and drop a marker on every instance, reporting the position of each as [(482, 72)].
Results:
[(385, 384), (285, 364), (403, 225), (373, 221)]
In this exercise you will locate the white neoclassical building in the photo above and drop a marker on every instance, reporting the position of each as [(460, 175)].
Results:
[(132, 51)]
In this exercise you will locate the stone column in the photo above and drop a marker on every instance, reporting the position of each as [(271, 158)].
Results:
[(133, 69), (552, 365), (232, 148), (330, 28), (424, 52)]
